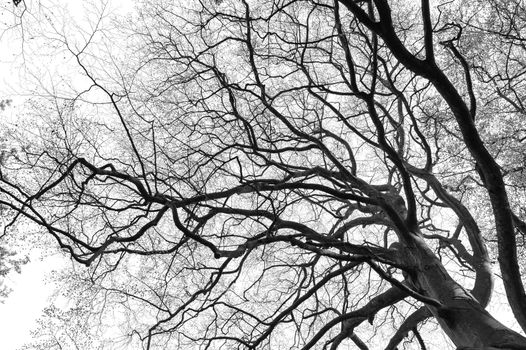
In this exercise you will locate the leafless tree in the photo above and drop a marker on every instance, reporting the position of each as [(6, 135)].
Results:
[(290, 174)]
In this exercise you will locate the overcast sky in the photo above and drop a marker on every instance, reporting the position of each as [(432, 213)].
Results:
[(31, 290), (31, 293)]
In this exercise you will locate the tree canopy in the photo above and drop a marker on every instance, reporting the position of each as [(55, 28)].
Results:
[(277, 174)]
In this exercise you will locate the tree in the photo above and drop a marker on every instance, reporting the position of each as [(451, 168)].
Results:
[(8, 263), (273, 174), (9, 260)]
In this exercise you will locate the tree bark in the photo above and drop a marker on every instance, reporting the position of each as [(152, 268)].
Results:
[(504, 225), (462, 317)]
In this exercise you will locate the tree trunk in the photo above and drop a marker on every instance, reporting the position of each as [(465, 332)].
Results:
[(463, 319)]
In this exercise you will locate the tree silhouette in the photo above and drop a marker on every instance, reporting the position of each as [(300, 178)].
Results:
[(290, 174)]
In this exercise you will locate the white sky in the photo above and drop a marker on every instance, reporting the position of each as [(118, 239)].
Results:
[(30, 295), (30, 291)]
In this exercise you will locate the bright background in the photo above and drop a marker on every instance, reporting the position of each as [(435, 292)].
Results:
[(32, 290)]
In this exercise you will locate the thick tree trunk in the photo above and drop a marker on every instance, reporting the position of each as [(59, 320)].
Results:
[(496, 188), (462, 318)]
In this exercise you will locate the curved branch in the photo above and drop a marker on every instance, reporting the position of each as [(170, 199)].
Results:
[(408, 325)]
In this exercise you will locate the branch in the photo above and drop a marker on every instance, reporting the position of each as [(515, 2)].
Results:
[(408, 325), (428, 32), (387, 298)]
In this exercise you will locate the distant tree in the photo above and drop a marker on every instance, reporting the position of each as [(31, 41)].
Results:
[(286, 174), (10, 261), (4, 104)]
